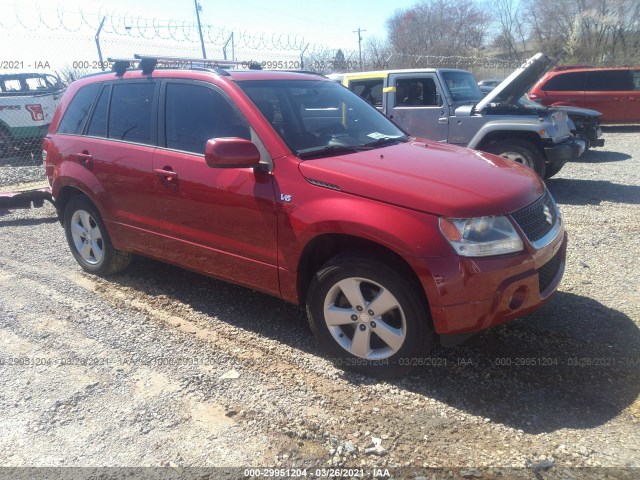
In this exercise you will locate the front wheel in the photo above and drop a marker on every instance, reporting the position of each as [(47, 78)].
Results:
[(552, 169), (520, 151), (368, 316), (88, 239)]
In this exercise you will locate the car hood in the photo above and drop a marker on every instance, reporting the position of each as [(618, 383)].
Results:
[(430, 177), (518, 83)]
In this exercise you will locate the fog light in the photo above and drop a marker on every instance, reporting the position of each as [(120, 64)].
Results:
[(518, 298)]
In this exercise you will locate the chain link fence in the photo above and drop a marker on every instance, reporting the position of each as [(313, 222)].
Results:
[(44, 50)]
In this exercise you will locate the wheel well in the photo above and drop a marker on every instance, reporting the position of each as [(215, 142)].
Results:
[(494, 137), (324, 247), (66, 194)]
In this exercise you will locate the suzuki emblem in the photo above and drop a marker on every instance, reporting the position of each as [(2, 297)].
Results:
[(547, 214)]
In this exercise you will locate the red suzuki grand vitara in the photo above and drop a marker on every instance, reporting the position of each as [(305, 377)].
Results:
[(290, 184)]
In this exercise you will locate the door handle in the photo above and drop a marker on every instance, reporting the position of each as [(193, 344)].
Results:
[(85, 159), (167, 175), (443, 120)]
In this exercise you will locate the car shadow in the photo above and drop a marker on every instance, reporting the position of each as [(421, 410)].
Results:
[(620, 128), (23, 222), (591, 192), (572, 364), (601, 156)]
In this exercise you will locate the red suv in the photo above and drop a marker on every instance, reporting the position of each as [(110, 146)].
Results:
[(615, 92), (291, 184)]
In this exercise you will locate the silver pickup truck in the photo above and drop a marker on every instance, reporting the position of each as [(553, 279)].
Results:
[(447, 105)]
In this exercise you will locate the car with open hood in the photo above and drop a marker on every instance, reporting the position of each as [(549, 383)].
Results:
[(447, 105), (290, 184), (584, 123)]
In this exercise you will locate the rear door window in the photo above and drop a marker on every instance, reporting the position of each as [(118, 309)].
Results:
[(131, 113), (76, 115), (567, 82), (608, 80), (98, 124)]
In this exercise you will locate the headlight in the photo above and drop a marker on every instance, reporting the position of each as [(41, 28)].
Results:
[(482, 236)]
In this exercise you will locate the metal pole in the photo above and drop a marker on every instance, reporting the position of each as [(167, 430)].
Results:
[(204, 53), (98, 42), (359, 32), (302, 57), (224, 49)]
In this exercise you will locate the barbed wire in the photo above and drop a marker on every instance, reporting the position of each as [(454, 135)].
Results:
[(140, 27)]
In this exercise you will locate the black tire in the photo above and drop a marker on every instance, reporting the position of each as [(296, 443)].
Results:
[(100, 258), (6, 144), (521, 151), (552, 169), (417, 338)]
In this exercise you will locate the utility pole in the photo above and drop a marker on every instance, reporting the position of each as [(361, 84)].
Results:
[(359, 32), (204, 53)]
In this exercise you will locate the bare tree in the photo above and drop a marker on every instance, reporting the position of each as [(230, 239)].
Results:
[(376, 53), (511, 23), (590, 31), (438, 27)]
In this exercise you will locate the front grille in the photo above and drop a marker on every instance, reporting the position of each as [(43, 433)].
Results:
[(537, 219), (548, 271)]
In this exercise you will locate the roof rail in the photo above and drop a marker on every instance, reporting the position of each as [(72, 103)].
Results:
[(561, 68), (148, 63)]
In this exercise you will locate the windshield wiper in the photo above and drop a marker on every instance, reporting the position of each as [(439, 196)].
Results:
[(385, 141), (328, 150)]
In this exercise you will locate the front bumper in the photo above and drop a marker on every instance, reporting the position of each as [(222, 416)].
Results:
[(565, 151), (477, 293)]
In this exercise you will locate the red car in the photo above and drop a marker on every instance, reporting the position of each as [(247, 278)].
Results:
[(290, 184), (615, 92)]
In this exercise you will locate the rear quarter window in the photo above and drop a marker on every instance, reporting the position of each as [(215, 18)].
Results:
[(636, 79), (608, 80), (76, 114)]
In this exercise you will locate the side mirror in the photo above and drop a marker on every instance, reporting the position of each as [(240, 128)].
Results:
[(231, 152)]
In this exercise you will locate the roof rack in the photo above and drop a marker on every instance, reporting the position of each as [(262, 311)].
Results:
[(148, 63)]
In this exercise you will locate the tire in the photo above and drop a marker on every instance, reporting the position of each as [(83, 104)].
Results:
[(521, 151), (352, 334), (6, 144), (89, 241), (552, 169)]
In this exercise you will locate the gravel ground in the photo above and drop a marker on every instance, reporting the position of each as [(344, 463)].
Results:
[(163, 367)]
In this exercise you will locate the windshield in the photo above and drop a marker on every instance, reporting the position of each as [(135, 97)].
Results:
[(526, 103), (462, 86), (319, 117)]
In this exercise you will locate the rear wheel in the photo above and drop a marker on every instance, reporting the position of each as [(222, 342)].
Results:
[(520, 151), (368, 316), (88, 239)]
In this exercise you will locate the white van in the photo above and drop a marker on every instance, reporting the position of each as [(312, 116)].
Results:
[(27, 104)]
